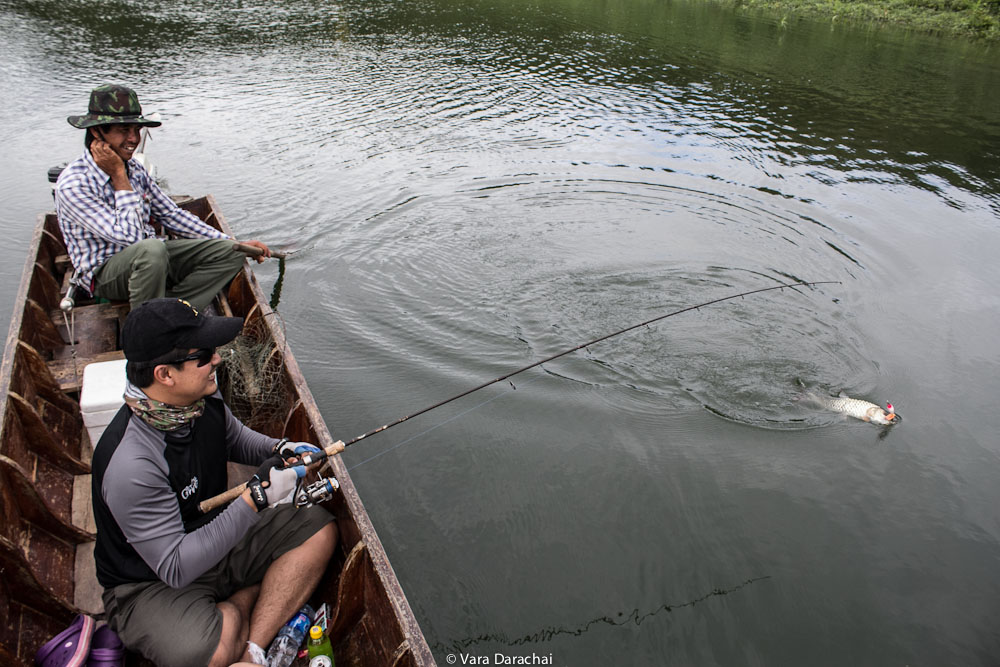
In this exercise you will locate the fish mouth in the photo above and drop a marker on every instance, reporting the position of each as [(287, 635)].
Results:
[(895, 418)]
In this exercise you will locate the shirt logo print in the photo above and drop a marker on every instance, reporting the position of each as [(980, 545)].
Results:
[(190, 489)]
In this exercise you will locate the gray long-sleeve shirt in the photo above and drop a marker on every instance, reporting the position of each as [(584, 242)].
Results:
[(136, 488)]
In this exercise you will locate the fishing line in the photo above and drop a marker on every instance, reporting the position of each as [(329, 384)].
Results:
[(339, 446), (440, 424), (312, 458)]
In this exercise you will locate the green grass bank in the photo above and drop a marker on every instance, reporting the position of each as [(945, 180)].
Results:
[(978, 19)]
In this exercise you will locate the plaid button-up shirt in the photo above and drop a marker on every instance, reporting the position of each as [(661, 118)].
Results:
[(97, 221)]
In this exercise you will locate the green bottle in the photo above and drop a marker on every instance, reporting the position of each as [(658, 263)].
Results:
[(320, 651)]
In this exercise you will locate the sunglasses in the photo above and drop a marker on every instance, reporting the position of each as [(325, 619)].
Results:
[(204, 357)]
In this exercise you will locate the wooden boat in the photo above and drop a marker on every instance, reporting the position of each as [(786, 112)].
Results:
[(46, 538)]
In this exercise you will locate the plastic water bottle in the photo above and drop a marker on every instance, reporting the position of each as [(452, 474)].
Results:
[(320, 651), (286, 645)]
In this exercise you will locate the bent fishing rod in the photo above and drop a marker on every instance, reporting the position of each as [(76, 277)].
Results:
[(340, 445)]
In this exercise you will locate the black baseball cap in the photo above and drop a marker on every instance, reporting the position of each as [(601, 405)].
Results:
[(159, 326)]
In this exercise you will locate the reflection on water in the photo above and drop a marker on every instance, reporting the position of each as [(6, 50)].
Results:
[(472, 186), (833, 105)]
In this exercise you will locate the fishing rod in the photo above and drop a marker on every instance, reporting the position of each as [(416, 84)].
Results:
[(340, 445), (254, 251)]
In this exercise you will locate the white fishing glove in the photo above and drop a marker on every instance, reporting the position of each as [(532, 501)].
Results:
[(288, 450), (274, 484)]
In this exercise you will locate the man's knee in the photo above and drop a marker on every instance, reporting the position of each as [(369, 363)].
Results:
[(220, 252), (236, 259), (330, 533), (191, 651), (230, 646), (150, 254), (325, 540), (318, 548)]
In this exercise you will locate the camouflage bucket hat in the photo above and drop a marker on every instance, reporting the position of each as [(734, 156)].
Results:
[(111, 104)]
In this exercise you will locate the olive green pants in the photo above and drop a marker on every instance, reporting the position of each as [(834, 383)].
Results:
[(181, 627), (190, 269)]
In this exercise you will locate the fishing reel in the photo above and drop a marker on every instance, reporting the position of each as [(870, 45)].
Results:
[(317, 492)]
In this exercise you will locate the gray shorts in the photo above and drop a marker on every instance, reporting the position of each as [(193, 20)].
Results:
[(182, 626)]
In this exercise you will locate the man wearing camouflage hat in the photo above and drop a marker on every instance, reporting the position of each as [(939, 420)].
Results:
[(104, 202)]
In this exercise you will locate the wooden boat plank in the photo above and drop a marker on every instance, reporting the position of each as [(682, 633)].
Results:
[(63, 264), (35, 509), (43, 440), (10, 623), (44, 333), (44, 289), (403, 656), (82, 509), (50, 247), (25, 629), (14, 445), (380, 618), (30, 579), (101, 324), (7, 658), (30, 362), (53, 484), (64, 426), (50, 558), (87, 593), (69, 373), (42, 407), (356, 644), (350, 591)]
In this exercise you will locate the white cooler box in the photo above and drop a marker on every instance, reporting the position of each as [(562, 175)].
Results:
[(101, 395)]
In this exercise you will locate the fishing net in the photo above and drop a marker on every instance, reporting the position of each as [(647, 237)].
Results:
[(252, 378)]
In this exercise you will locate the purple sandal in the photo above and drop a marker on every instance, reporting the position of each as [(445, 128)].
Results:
[(70, 647), (106, 649)]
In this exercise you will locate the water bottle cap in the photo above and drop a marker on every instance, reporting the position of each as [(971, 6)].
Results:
[(315, 632)]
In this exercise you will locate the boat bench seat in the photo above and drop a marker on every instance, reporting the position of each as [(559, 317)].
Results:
[(96, 328)]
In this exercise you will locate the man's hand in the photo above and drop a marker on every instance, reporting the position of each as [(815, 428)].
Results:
[(110, 163), (273, 484), (259, 244), (291, 452)]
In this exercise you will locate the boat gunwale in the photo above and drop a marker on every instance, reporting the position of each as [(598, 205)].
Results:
[(17, 318)]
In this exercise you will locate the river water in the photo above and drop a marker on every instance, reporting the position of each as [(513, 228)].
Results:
[(472, 186)]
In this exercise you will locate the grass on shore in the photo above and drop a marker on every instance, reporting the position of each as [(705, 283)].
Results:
[(970, 18)]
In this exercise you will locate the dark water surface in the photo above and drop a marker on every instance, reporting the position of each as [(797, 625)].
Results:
[(475, 185)]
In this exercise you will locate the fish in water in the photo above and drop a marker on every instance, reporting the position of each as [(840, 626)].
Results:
[(854, 407)]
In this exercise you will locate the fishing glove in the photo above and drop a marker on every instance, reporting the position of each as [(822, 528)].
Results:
[(288, 450), (273, 483)]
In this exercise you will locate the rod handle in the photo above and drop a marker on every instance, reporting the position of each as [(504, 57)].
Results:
[(254, 251), (210, 504), (332, 450)]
